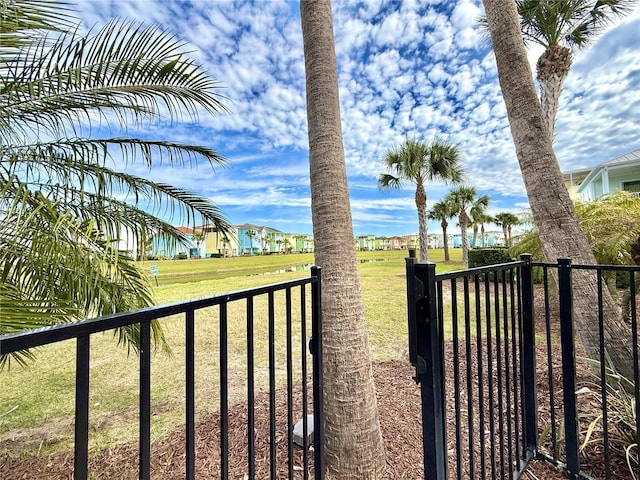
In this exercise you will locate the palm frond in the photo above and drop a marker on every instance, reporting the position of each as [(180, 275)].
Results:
[(134, 71)]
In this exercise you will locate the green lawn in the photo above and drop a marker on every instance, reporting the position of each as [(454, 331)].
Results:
[(36, 403)]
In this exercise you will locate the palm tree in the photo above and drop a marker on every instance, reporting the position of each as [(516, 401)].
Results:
[(61, 207), (506, 220), (199, 237), (251, 234), (561, 26), (483, 220), (478, 213), (551, 207), (443, 211), (464, 198), (353, 439), (419, 163), (225, 244)]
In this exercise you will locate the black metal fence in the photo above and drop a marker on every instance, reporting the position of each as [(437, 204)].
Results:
[(306, 291), (498, 376)]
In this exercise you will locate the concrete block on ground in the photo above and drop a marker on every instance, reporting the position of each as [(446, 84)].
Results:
[(298, 433)]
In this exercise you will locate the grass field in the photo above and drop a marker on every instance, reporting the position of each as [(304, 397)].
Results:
[(36, 403)]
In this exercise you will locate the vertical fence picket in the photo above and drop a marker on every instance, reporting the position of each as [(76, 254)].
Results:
[(224, 392), (190, 448), (636, 365), (251, 429), (81, 443), (568, 368), (603, 384), (145, 401), (273, 467), (316, 325)]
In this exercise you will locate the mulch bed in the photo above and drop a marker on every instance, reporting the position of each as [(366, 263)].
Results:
[(399, 407)]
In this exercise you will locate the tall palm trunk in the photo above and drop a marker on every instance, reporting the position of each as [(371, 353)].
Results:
[(421, 206), (553, 67), (482, 237), (552, 209), (475, 235), (505, 234), (353, 441), (464, 223), (444, 226)]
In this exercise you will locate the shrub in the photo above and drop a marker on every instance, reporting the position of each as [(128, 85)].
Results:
[(180, 256), (488, 256)]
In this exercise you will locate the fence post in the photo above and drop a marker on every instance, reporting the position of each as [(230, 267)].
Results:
[(426, 355), (316, 351), (568, 367), (529, 360)]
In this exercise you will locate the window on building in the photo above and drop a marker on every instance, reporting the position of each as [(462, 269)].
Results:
[(631, 186)]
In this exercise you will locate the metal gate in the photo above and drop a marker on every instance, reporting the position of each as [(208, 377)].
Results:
[(474, 404)]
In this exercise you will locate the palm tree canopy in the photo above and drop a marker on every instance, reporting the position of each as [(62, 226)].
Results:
[(463, 198), (419, 162), (65, 199), (506, 219), (443, 210), (478, 208), (574, 23)]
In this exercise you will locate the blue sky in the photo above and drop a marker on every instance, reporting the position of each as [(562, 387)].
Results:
[(411, 69)]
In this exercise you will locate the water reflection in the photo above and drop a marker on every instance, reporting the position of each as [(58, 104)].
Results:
[(307, 266)]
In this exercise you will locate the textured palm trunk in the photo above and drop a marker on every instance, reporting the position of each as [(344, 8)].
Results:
[(552, 67), (464, 222), (353, 439), (421, 206), (483, 239), (475, 235), (552, 209), (444, 226), (505, 234)]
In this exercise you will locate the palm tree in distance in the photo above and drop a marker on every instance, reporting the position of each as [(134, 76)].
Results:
[(225, 244), (506, 220), (199, 237), (464, 198), (251, 234), (61, 208), (561, 26), (442, 211), (419, 163), (483, 220), (478, 214)]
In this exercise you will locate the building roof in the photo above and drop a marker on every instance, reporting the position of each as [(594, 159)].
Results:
[(186, 230), (628, 159)]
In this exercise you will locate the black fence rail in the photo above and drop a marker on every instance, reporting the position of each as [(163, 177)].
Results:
[(298, 381), (501, 382)]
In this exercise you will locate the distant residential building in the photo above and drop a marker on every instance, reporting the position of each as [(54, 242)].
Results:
[(620, 173), (366, 243), (398, 243), (163, 247)]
